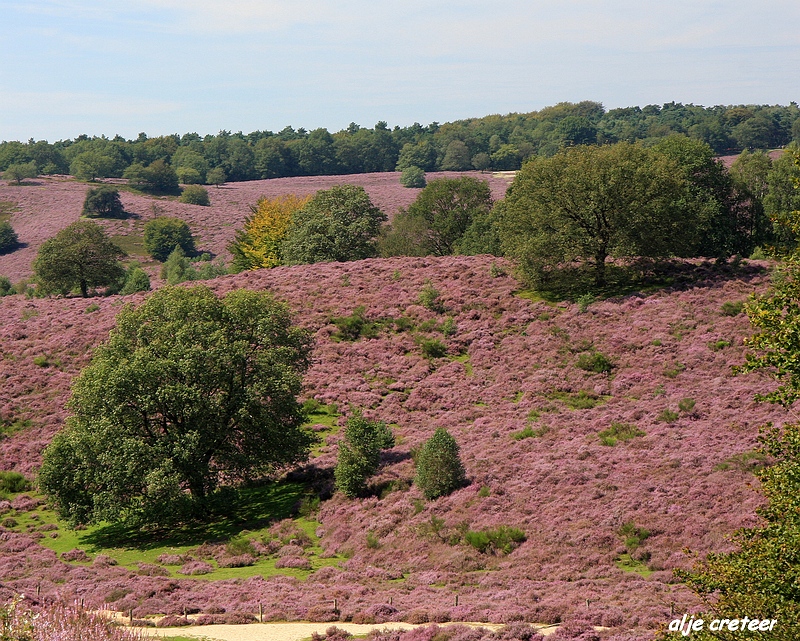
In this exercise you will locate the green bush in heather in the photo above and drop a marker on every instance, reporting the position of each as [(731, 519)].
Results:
[(439, 468)]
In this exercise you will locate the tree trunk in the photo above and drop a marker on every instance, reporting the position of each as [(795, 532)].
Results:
[(600, 268)]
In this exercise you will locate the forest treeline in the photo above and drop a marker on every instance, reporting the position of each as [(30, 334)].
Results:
[(496, 142)]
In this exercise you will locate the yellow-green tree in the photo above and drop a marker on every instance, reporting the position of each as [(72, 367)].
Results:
[(258, 244)]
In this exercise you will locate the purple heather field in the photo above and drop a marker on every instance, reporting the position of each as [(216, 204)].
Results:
[(512, 364)]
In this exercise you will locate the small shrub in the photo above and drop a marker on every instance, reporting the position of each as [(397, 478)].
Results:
[(195, 195), (296, 562), (484, 491), (433, 348), (672, 372), (732, 308), (413, 177), (41, 361), (13, 482), (719, 345), (633, 536), (103, 202), (429, 298), (373, 542), (360, 453), (495, 271), (6, 288), (584, 302), (239, 546), (439, 468), (530, 432), (449, 327), (668, 416), (77, 555), (9, 240), (686, 404), (194, 568), (595, 362), (656, 342), (619, 432), (357, 325), (238, 561), (500, 540), (136, 280)]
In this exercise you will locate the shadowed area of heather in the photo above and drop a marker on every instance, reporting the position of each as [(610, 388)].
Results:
[(528, 417)]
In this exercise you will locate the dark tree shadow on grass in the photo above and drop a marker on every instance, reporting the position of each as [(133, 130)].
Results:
[(234, 510), (643, 277)]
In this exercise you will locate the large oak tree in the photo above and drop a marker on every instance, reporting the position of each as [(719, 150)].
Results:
[(189, 392)]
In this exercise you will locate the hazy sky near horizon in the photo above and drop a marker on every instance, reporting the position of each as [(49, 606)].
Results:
[(106, 67)]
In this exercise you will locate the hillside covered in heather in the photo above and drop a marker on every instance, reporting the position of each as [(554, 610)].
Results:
[(606, 519)]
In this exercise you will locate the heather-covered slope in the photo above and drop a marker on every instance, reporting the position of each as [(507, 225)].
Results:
[(43, 207), (511, 364)]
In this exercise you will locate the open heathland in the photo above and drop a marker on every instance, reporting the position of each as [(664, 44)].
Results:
[(600, 439)]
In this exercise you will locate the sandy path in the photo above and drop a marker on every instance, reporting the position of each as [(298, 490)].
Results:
[(289, 631)]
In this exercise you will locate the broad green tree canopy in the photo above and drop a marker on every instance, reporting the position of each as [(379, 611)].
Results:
[(337, 224), (81, 256), (190, 391), (588, 203)]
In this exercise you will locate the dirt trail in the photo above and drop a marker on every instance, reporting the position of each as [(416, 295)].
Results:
[(289, 631)]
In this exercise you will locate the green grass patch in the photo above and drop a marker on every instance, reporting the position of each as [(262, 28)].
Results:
[(582, 400), (530, 432), (254, 510), (7, 207), (751, 461), (464, 360), (619, 432), (131, 244), (10, 427), (626, 563), (595, 362)]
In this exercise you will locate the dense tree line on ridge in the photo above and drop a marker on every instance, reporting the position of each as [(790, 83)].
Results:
[(497, 142)]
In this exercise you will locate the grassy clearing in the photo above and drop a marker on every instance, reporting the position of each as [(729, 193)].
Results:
[(7, 207), (131, 244), (255, 509), (628, 564)]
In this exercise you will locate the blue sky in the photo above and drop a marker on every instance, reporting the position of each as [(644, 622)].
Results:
[(174, 66)]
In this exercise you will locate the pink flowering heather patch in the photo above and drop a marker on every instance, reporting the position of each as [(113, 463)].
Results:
[(528, 418)]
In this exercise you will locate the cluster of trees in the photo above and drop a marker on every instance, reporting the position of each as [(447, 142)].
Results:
[(491, 142), (337, 224), (588, 203)]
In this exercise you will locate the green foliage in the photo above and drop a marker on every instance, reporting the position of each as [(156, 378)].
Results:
[(158, 177), (439, 468), (163, 234), (216, 177), (686, 405), (338, 224), (20, 171), (732, 308), (9, 240), (760, 578), (373, 542), (103, 202), (92, 164), (136, 280), (6, 288), (406, 236), (448, 206), (195, 195), (668, 416), (433, 348), (619, 432), (355, 326), (360, 453), (499, 540), (413, 177), (588, 203), (633, 536), (429, 298), (745, 462), (178, 268), (13, 482), (81, 256), (189, 391), (595, 362), (584, 302)]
